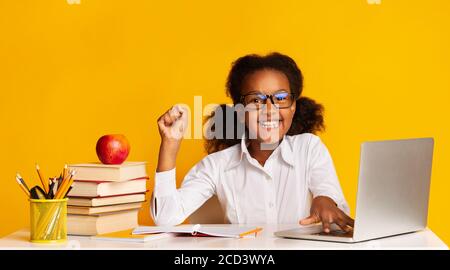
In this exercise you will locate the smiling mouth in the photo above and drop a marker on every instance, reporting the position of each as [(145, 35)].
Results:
[(269, 124)]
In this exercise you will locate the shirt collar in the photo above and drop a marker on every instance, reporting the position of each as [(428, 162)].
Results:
[(285, 148)]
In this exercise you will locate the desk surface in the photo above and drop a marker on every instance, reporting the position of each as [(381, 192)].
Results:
[(425, 239)]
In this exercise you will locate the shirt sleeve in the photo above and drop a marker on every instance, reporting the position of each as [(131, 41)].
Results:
[(171, 206), (323, 179)]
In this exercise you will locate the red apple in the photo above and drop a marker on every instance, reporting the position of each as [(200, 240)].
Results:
[(112, 149)]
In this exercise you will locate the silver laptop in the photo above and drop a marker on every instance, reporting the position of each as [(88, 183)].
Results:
[(393, 192)]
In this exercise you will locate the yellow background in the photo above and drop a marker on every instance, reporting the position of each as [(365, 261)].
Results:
[(71, 73)]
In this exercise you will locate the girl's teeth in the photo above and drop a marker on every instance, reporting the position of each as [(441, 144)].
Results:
[(269, 124)]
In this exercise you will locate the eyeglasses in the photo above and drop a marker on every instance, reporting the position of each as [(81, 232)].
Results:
[(281, 99)]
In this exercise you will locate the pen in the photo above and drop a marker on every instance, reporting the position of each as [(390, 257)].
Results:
[(60, 178), (56, 185), (23, 187), (68, 191), (22, 181), (51, 193)]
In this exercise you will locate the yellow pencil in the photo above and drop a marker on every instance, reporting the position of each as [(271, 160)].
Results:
[(43, 181), (255, 231), (62, 185), (65, 185), (23, 188), (64, 172), (69, 184), (67, 188)]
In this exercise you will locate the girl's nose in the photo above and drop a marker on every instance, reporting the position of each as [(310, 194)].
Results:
[(269, 110)]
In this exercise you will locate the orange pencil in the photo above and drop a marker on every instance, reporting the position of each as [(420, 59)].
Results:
[(43, 179)]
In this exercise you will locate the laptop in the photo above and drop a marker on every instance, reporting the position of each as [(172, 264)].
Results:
[(393, 192)]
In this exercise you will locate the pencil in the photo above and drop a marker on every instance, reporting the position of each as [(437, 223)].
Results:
[(64, 174), (69, 185), (65, 186), (255, 231), (23, 188), (42, 178)]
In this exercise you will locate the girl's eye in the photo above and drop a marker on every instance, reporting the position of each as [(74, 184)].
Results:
[(259, 99), (281, 96)]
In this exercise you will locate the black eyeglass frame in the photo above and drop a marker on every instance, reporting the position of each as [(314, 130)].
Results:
[(271, 99)]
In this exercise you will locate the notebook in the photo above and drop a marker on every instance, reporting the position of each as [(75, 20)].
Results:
[(201, 230), (127, 236)]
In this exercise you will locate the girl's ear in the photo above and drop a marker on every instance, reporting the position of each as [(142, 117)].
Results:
[(294, 107)]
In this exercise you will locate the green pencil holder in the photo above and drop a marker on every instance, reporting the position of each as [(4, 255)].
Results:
[(48, 221)]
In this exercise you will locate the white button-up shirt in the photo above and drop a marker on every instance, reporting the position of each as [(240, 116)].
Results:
[(281, 191)]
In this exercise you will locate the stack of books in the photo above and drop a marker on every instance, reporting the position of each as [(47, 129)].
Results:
[(105, 198)]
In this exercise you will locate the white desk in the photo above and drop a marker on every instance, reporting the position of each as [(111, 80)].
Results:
[(265, 240)]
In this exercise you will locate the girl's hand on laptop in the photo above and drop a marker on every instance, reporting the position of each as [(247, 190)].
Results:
[(324, 209), (172, 125)]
